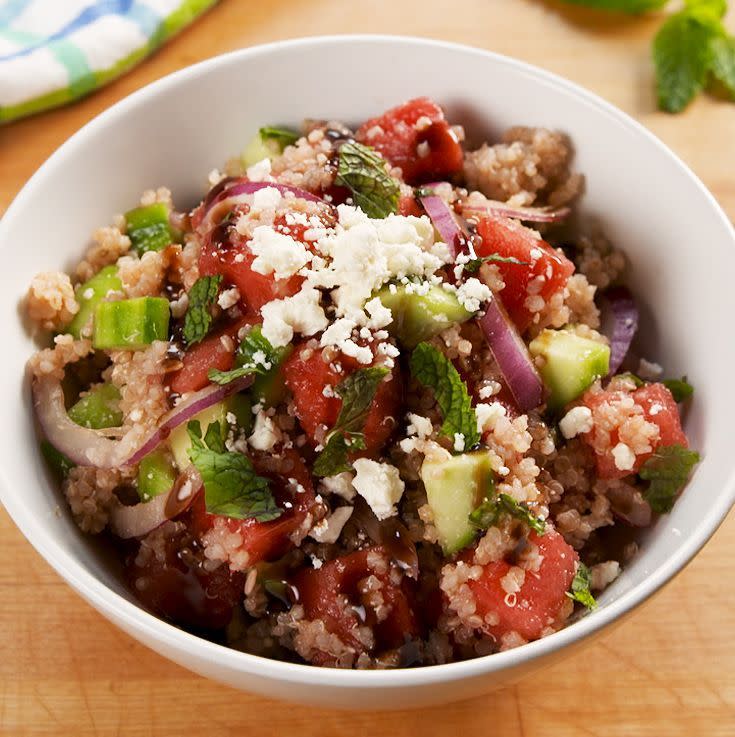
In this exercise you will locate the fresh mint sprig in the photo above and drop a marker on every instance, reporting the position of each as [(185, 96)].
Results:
[(433, 369), (691, 48)]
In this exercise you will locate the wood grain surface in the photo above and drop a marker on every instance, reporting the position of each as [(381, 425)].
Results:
[(669, 670)]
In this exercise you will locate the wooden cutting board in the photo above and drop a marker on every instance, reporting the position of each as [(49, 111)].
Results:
[(669, 670)]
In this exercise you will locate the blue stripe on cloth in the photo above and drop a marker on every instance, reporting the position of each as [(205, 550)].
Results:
[(11, 9), (145, 17), (139, 13)]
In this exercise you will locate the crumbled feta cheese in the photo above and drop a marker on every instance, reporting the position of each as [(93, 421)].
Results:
[(380, 316), (472, 294), (575, 422), (423, 149), (260, 172), (655, 409), (379, 484), (624, 457), (215, 177), (458, 442), (360, 352), (419, 425), (330, 528), (267, 198), (487, 415), (649, 370), (265, 433), (341, 485), (228, 298), (338, 332), (364, 254), (277, 253), (301, 313), (603, 574)]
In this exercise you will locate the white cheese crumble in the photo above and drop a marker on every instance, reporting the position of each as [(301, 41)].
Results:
[(624, 457), (575, 422), (228, 298), (472, 294), (487, 415), (649, 370), (260, 171), (265, 433), (458, 442), (341, 485), (267, 198), (301, 313), (379, 484), (277, 253), (330, 528), (380, 316), (418, 425)]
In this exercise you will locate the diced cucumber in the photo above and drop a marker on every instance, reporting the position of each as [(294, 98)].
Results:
[(179, 440), (130, 324), (90, 294), (156, 475), (455, 488), (267, 143), (270, 388), (57, 462), (148, 227), (571, 364), (418, 317), (98, 409)]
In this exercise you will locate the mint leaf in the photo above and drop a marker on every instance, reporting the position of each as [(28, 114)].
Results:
[(255, 355), (362, 170), (580, 590), (433, 369), (357, 391), (682, 55), (333, 459), (198, 317), (680, 389), (489, 513), (722, 49), (473, 265), (282, 136), (231, 486), (708, 10), (621, 6), (667, 470)]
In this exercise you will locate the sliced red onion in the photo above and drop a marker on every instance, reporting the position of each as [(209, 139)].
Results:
[(87, 447), (140, 519), (232, 191), (619, 323), (529, 214), (512, 357), (444, 221)]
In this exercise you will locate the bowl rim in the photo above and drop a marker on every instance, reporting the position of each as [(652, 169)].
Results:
[(137, 620)]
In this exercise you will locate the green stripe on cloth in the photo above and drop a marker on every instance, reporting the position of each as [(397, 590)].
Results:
[(82, 79)]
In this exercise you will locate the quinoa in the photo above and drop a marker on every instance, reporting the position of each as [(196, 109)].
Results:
[(50, 300), (459, 544)]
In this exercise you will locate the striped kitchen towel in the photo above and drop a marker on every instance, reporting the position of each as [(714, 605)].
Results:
[(54, 51)]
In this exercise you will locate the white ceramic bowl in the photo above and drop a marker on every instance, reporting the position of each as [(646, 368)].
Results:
[(176, 130)]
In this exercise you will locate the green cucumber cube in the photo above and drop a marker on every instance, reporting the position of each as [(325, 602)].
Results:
[(99, 408), (90, 294), (148, 227), (130, 324), (156, 475), (455, 487), (571, 364), (418, 317)]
